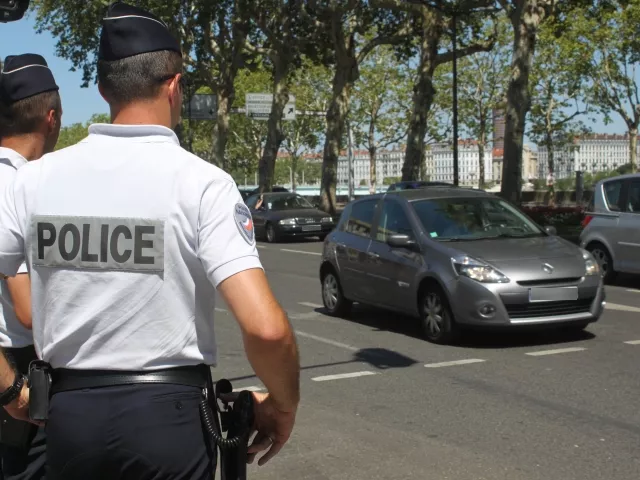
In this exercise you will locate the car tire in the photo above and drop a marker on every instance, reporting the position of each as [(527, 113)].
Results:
[(271, 234), (603, 257), (438, 324), (334, 301), (323, 236)]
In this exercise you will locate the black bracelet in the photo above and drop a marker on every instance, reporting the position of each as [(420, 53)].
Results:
[(13, 392)]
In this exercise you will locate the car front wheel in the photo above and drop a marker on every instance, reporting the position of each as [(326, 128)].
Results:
[(271, 234), (438, 324), (605, 262), (332, 297)]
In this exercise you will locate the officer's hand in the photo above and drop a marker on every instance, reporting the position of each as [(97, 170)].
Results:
[(273, 426), (19, 408)]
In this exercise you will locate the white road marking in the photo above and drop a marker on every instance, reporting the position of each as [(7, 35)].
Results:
[(455, 362), (633, 342), (633, 290), (218, 309), (309, 304), (622, 308), (300, 251), (553, 352), (342, 375), (249, 389), (261, 246), (327, 341)]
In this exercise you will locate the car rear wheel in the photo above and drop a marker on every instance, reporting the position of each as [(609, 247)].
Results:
[(605, 262), (332, 297), (438, 324), (271, 234)]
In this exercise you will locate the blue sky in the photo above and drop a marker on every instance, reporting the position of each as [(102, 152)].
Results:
[(80, 103)]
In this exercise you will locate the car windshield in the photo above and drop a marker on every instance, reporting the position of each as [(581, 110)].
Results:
[(287, 202), (457, 219)]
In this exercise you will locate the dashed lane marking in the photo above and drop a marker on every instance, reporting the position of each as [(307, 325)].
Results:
[(218, 309), (633, 342), (455, 362), (261, 246), (328, 341), (309, 304), (633, 290), (556, 351), (340, 376), (250, 389), (300, 251), (622, 308)]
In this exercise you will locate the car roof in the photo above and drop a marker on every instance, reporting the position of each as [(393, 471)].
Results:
[(277, 194), (619, 177), (422, 183), (433, 193)]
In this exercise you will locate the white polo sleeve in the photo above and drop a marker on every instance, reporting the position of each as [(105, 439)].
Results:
[(11, 239), (226, 236)]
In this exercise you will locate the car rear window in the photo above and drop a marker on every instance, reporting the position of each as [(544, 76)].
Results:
[(612, 194), (361, 218)]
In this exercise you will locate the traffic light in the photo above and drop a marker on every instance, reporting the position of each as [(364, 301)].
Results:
[(12, 10)]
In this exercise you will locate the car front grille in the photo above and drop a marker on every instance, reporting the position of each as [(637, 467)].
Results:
[(550, 283), (549, 309), (306, 221)]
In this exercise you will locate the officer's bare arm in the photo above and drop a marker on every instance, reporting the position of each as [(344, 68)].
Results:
[(268, 337), (20, 291)]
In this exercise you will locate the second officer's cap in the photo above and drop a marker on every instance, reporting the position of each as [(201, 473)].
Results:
[(24, 76), (128, 30)]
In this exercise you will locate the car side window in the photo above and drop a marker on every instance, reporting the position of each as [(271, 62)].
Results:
[(613, 195), (361, 218), (633, 200), (393, 221), (251, 202)]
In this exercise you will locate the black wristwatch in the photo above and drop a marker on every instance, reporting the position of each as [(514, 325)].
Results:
[(13, 392)]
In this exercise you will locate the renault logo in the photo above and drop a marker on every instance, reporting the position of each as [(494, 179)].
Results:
[(547, 268)]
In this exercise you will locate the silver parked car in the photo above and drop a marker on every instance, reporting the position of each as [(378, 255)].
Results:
[(454, 257), (612, 225)]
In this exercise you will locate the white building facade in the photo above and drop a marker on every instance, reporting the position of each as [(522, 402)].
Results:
[(593, 153), (388, 164), (468, 163)]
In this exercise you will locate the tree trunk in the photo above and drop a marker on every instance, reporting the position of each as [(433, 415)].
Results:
[(275, 136), (220, 134), (373, 150), (423, 94), (525, 20), (482, 142), (633, 147), (548, 143), (346, 74), (294, 172)]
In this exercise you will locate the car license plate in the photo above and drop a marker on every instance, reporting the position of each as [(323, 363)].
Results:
[(311, 228), (553, 294)]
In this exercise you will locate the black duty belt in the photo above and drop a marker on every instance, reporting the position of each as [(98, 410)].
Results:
[(67, 379)]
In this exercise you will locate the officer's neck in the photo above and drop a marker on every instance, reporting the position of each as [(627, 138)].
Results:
[(142, 113), (30, 146)]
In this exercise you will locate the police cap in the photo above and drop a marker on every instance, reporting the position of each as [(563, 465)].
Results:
[(129, 31), (24, 76)]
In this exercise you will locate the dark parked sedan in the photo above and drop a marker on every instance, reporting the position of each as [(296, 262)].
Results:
[(282, 215), (455, 257)]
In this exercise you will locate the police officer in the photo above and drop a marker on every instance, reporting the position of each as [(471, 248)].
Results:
[(128, 236), (30, 114)]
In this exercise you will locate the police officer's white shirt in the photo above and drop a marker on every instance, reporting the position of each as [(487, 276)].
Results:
[(12, 333), (163, 227)]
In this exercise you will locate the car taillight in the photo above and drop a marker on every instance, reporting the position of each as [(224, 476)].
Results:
[(586, 220)]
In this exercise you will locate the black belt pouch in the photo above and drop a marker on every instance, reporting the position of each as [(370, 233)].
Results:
[(39, 390)]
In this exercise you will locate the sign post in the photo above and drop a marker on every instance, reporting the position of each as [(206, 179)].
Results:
[(258, 106)]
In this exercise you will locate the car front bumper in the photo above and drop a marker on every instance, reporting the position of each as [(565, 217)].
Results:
[(508, 303), (304, 231)]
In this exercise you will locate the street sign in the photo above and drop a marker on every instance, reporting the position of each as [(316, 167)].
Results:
[(258, 106), (202, 107)]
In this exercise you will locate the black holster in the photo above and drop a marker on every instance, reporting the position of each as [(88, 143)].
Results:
[(236, 421), (40, 374), (17, 433)]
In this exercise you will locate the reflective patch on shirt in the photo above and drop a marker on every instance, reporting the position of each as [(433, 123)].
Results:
[(244, 222), (103, 243)]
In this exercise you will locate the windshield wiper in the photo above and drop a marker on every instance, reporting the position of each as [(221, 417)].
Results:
[(513, 235)]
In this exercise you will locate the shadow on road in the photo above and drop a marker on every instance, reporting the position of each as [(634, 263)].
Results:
[(478, 338), (626, 281)]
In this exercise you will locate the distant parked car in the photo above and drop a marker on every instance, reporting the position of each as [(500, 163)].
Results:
[(275, 189), (412, 185), (611, 226), (285, 215), (455, 257)]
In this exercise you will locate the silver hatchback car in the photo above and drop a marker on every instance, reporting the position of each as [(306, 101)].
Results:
[(612, 225), (454, 257)]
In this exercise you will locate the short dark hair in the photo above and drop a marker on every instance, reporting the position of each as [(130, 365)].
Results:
[(139, 77), (24, 116)]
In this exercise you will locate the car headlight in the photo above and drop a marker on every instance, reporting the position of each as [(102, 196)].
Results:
[(287, 221), (591, 266), (327, 220), (477, 270)]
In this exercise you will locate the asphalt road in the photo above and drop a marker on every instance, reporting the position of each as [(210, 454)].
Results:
[(378, 402)]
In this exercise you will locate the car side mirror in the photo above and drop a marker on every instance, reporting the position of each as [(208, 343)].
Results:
[(551, 230), (402, 241)]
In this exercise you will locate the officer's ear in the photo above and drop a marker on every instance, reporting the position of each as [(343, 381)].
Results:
[(54, 120), (175, 90)]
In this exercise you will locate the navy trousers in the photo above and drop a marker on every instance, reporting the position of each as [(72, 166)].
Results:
[(26, 463), (129, 432)]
